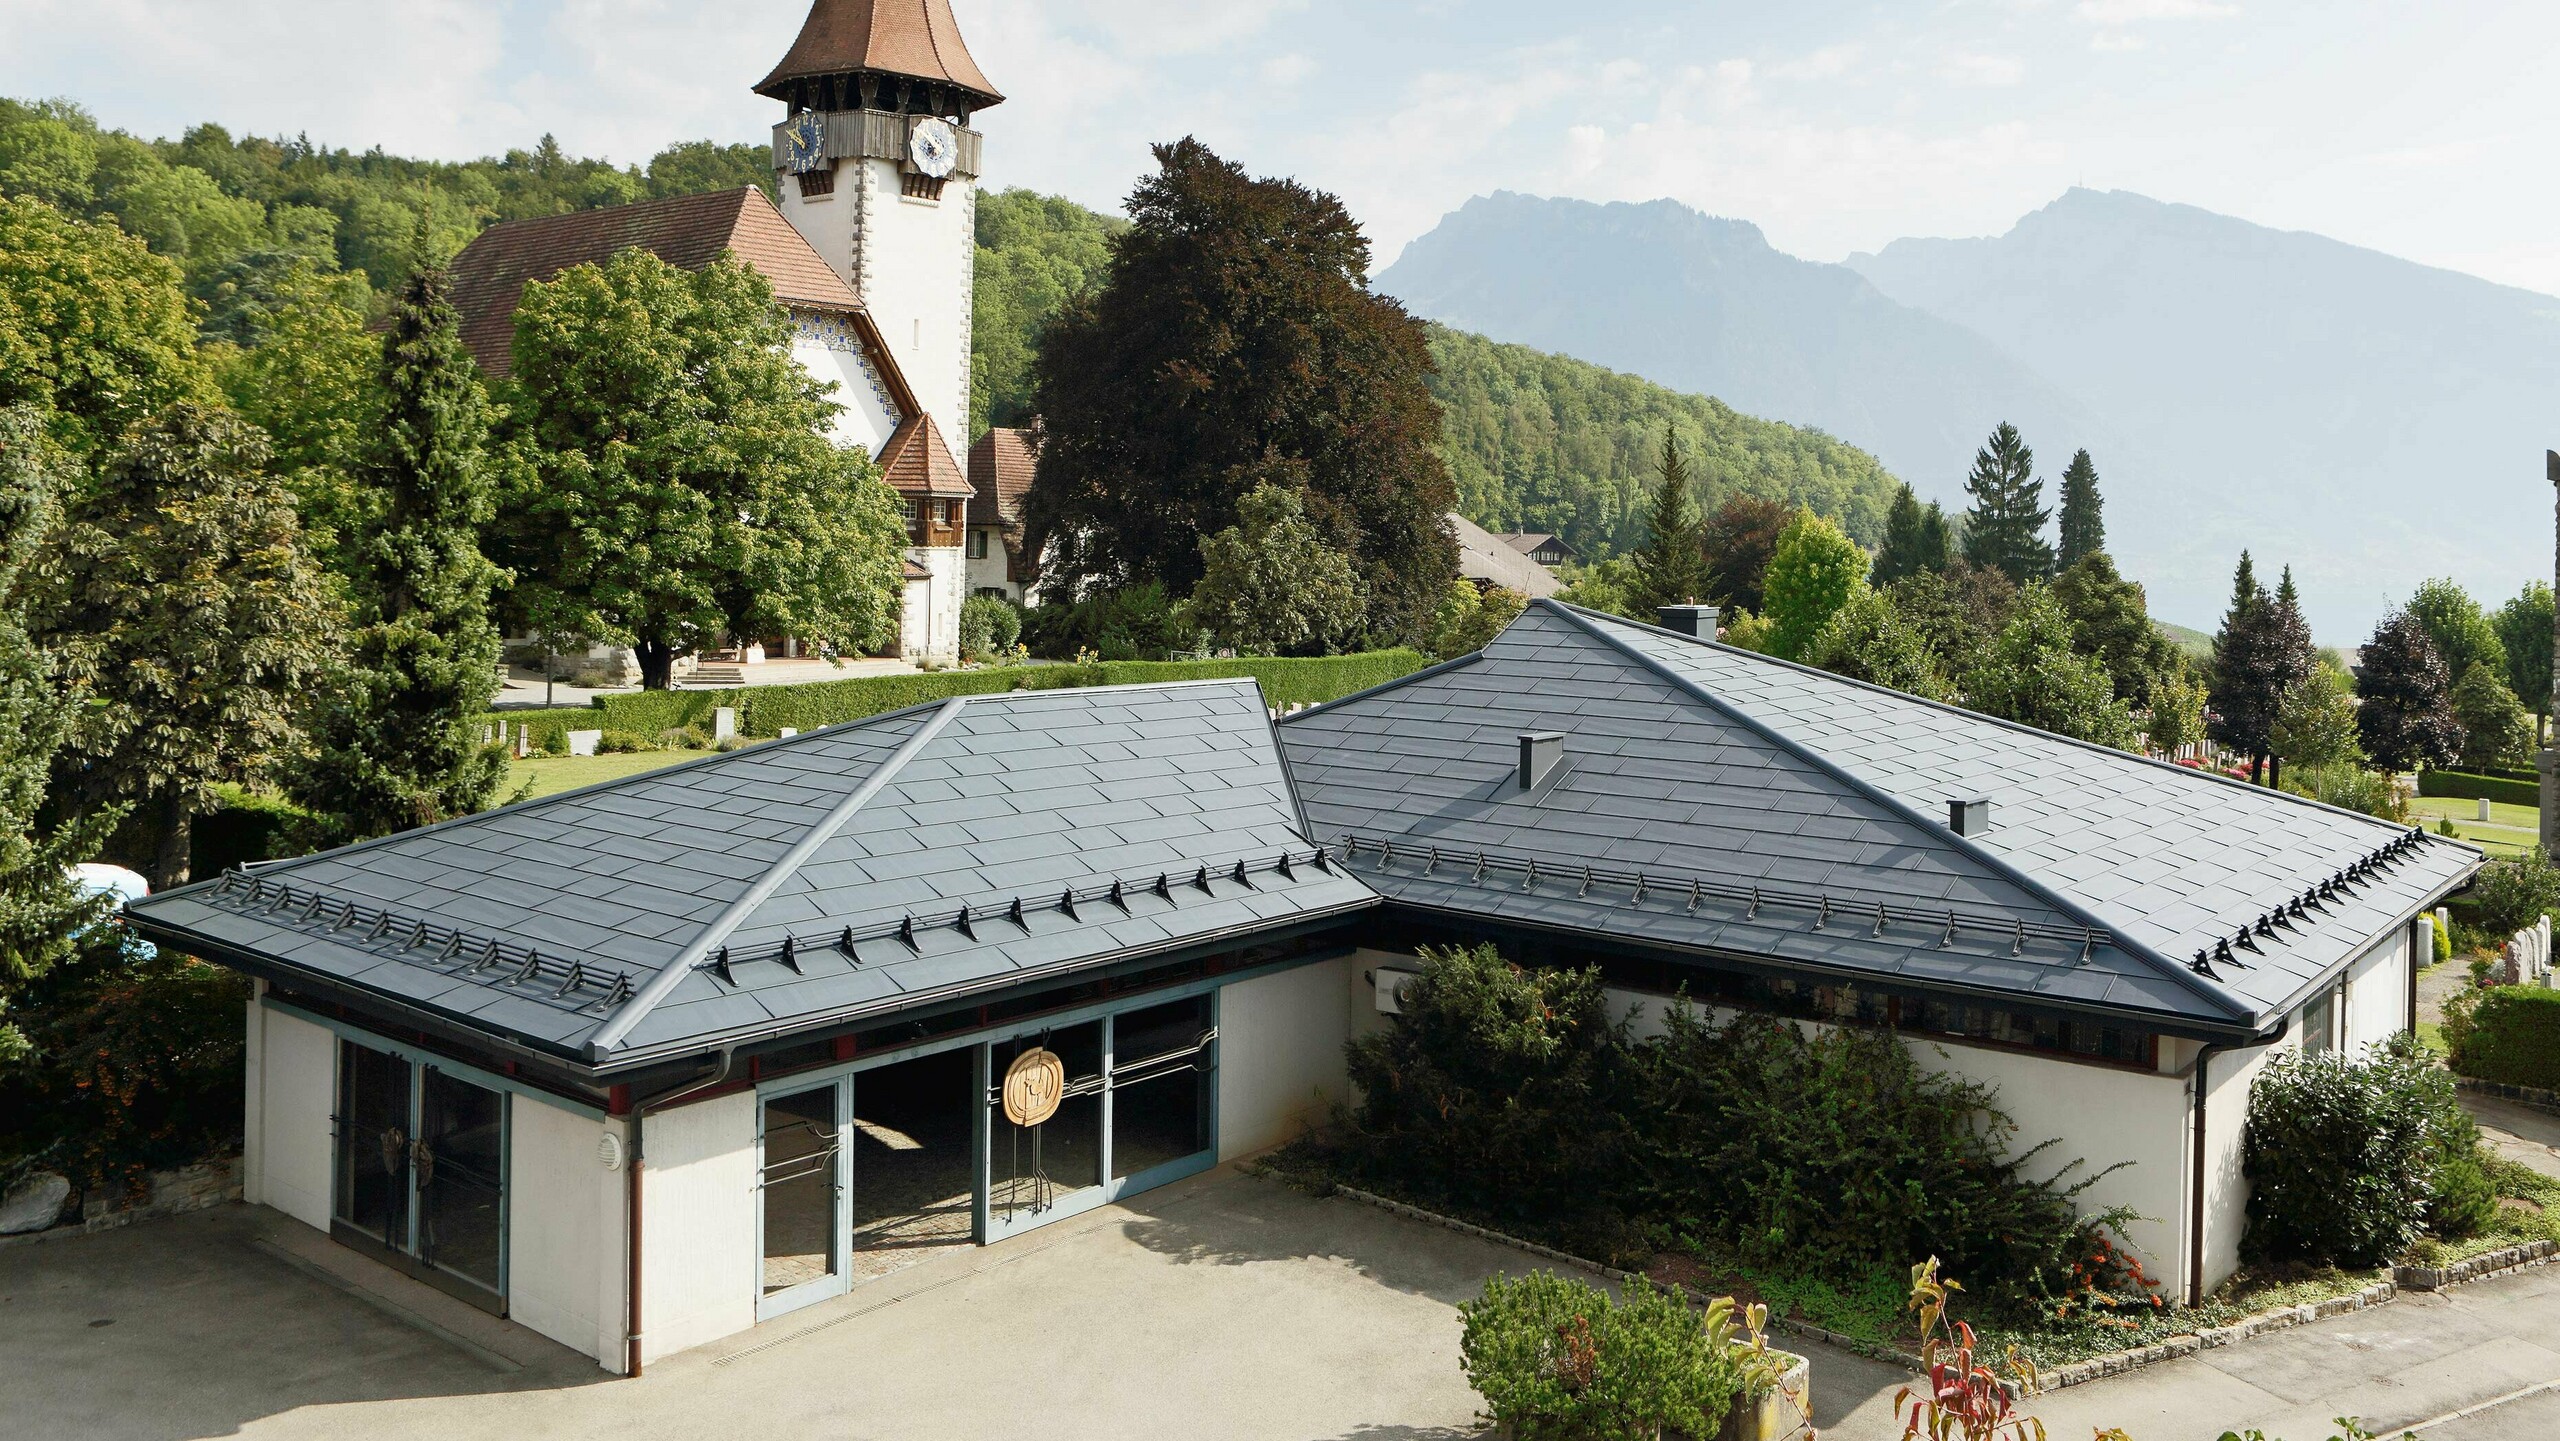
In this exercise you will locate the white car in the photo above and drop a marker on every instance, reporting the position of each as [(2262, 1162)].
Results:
[(96, 878)]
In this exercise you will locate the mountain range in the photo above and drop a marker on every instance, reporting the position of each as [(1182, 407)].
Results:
[(2366, 420)]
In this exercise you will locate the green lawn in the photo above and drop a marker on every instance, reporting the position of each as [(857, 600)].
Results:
[(2510, 829), (549, 775)]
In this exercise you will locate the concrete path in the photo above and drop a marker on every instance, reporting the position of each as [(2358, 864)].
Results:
[(1221, 1307), (2518, 1133)]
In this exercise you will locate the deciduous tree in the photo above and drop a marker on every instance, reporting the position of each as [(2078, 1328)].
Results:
[(2030, 674), (1270, 585), (310, 383), (1740, 536), (2111, 624), (1812, 573), (670, 477), (1472, 616), (94, 331), (2404, 713), (1671, 566), (2083, 524), (397, 741), (2496, 731), (1868, 639), (2524, 631), (184, 618), (2004, 529), (2316, 723), (1236, 331), (2462, 632)]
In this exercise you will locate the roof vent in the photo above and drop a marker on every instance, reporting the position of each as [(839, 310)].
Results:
[(1692, 620), (1540, 753), (1969, 817)]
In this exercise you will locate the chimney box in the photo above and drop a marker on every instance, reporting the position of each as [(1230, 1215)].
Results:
[(1696, 620), (1540, 753), (1969, 817)]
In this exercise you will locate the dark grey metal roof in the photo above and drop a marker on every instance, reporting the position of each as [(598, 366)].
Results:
[(856, 870), (1699, 777)]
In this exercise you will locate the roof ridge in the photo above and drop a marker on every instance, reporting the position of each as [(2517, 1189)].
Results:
[(2003, 722), (2211, 991), (784, 867)]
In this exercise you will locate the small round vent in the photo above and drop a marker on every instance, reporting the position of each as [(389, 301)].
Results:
[(609, 1151)]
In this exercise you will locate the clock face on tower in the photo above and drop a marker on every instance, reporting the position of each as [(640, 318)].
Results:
[(806, 141), (933, 148)]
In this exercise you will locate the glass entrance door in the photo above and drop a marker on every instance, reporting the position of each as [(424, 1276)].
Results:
[(1137, 1109), (801, 1186), (421, 1172)]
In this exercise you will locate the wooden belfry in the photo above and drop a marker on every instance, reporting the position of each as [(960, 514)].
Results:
[(2547, 760)]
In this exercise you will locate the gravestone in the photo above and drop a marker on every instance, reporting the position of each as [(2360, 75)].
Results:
[(724, 724), (583, 743)]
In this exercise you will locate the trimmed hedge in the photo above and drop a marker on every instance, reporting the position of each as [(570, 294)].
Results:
[(2513, 1036), (2467, 786), (765, 710)]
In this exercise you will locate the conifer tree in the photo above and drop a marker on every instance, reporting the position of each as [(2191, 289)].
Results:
[(2004, 529), (1671, 565), (40, 908), (2290, 656), (2248, 684), (185, 618), (396, 739), (1915, 538), (2084, 528)]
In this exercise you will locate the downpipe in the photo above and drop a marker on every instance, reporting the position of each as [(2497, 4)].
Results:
[(2195, 1192), (640, 1109)]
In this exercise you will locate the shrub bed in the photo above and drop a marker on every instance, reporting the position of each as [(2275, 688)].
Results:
[(2471, 786), (1557, 1360), (2350, 1160), (1508, 1097), (2509, 1034)]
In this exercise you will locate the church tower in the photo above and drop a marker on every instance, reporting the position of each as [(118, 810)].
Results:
[(880, 174)]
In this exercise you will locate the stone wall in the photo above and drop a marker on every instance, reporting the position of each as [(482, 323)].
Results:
[(164, 1193)]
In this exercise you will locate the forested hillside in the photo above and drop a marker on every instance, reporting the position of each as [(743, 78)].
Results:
[(1546, 442), (1534, 441), (235, 214)]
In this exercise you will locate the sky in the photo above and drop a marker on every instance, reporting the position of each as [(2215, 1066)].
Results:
[(2422, 128)]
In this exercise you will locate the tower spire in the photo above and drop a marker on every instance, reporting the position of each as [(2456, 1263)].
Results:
[(899, 55)]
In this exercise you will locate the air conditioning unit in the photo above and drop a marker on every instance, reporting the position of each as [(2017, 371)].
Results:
[(1391, 984)]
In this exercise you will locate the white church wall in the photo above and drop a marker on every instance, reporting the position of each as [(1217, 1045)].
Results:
[(916, 260), (937, 631), (826, 347)]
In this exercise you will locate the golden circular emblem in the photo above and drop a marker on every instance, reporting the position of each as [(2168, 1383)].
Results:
[(1033, 1086)]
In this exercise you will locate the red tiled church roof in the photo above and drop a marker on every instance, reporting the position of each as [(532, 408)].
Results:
[(917, 38), (916, 461), (688, 231), (1001, 465)]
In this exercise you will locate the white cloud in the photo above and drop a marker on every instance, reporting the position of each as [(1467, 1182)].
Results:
[(2106, 41), (2128, 12), (1287, 69), (1988, 70), (1828, 63)]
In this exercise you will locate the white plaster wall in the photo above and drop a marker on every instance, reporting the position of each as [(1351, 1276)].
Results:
[(915, 261), (294, 1142), (2377, 1005), (2226, 1191), (939, 626), (553, 1249), (915, 616), (1280, 1041), (830, 222), (863, 419), (611, 1217), (990, 572), (698, 1224), (2099, 1115)]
